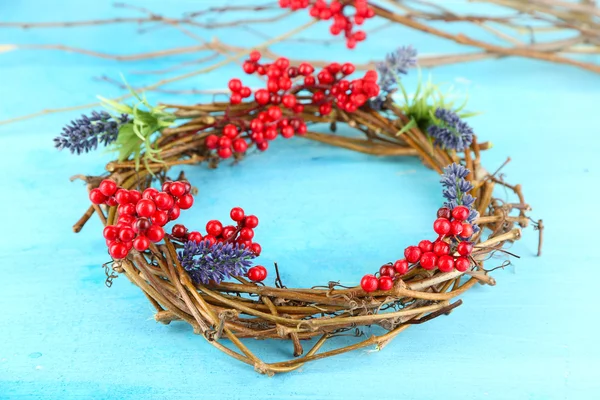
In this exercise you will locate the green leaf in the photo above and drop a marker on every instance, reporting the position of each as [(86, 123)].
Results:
[(411, 124)]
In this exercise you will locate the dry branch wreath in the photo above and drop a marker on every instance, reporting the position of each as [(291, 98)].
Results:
[(206, 279)]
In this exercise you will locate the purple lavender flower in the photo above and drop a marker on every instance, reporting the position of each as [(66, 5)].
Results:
[(450, 132), (205, 263), (456, 189), (395, 64), (84, 134)]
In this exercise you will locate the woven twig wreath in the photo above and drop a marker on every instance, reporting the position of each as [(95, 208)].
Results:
[(235, 304)]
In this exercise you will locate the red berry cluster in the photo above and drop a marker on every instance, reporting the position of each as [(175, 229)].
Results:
[(278, 104), (140, 216), (335, 10), (242, 232), (450, 251)]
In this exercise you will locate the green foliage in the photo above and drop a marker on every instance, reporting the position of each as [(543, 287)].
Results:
[(135, 138), (428, 97)]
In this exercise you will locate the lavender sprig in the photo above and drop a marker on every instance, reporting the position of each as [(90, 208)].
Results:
[(449, 131), (205, 263), (84, 134), (395, 64), (456, 189)]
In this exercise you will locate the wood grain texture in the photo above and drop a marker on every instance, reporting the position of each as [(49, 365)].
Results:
[(325, 214)]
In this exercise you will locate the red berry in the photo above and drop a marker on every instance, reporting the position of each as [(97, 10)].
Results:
[(428, 260), (111, 202), (108, 187), (254, 55), (141, 243), (251, 221), (174, 213), (244, 243), (348, 68), (464, 248), (289, 100), (110, 232), (118, 251), (460, 213), (441, 248), (425, 245), (287, 132), (305, 69), (195, 237), (401, 266), (134, 196), (178, 231), (164, 201), (237, 214), (446, 263), (441, 226), (456, 228), (160, 218), (444, 212), (467, 231), (325, 109), (126, 234), (185, 202), (224, 152), (246, 233), (369, 283), (309, 81), (210, 239), (214, 228), (235, 98), (245, 92), (141, 225), (262, 96), (145, 208), (96, 196), (228, 232), (177, 189), (270, 133), (274, 113), (462, 264), (155, 233), (255, 248), (212, 142), (258, 273), (230, 131), (240, 146), (256, 125), (385, 283), (387, 270), (149, 193), (122, 196), (412, 254), (224, 142), (126, 209), (126, 219), (235, 85), (249, 67)]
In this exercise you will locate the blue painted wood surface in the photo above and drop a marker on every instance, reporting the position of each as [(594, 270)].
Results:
[(325, 214)]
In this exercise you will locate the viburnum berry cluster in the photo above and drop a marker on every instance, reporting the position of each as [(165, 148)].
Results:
[(241, 233), (455, 225), (451, 250), (279, 104), (335, 11), (141, 216)]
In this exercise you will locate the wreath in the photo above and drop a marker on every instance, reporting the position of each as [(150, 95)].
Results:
[(207, 277)]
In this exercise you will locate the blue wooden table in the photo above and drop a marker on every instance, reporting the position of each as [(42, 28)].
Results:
[(325, 214)]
